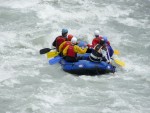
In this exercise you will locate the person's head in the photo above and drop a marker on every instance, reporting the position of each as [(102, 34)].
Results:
[(64, 32), (105, 39), (96, 33), (70, 36), (74, 40), (102, 42)]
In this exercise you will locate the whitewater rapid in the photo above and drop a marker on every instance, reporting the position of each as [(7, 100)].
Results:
[(28, 84)]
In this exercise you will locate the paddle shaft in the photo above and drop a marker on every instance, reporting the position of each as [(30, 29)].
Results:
[(45, 50), (108, 55)]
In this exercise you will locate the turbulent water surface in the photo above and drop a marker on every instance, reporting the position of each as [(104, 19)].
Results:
[(28, 84)]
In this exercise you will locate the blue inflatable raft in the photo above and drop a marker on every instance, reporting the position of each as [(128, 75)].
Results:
[(86, 67)]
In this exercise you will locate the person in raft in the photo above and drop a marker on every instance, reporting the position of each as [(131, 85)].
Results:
[(96, 40), (110, 51), (99, 53), (70, 52), (65, 44), (60, 39)]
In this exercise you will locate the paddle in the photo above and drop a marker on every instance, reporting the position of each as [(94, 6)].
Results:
[(52, 54), (119, 62), (55, 60), (116, 52), (45, 50)]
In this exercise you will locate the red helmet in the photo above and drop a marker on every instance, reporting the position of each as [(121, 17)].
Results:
[(70, 37)]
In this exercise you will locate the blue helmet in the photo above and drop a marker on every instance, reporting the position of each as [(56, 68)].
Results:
[(105, 39), (64, 31)]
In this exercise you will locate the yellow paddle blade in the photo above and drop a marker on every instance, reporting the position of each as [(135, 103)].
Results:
[(52, 54), (116, 52), (119, 62)]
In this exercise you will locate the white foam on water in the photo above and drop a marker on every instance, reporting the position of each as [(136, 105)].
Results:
[(7, 38), (47, 88), (132, 22), (6, 41), (51, 15), (11, 82), (18, 4), (51, 100), (5, 75)]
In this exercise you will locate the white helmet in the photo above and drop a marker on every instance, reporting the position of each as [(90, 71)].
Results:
[(96, 33), (74, 40)]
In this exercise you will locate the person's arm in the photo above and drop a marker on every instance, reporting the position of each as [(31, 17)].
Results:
[(61, 46), (105, 54), (54, 43), (79, 50), (100, 50), (65, 50)]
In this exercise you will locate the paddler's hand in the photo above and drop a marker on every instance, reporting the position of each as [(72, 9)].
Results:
[(89, 46)]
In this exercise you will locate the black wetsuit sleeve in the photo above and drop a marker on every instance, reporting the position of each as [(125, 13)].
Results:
[(54, 43)]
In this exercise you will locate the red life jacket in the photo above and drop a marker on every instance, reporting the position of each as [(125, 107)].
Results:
[(71, 52), (65, 45), (96, 41), (60, 40)]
